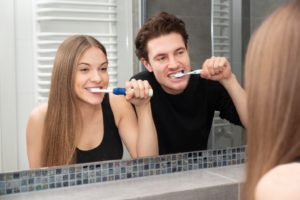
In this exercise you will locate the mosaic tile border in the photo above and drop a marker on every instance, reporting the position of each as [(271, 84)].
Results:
[(80, 174)]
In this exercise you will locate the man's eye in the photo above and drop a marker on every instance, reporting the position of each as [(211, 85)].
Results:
[(104, 69), (161, 58), (180, 52)]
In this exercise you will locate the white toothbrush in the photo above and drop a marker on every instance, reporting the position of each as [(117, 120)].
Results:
[(116, 91), (181, 74)]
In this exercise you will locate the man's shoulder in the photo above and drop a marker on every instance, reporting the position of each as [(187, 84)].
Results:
[(208, 85), (144, 75)]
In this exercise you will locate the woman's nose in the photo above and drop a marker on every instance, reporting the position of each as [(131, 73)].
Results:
[(96, 77)]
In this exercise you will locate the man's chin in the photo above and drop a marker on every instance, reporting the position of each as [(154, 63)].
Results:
[(174, 90)]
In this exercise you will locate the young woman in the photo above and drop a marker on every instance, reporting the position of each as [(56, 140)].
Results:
[(80, 125), (272, 84)]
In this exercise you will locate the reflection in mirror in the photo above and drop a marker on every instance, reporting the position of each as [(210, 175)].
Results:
[(196, 14), (211, 31), (51, 26)]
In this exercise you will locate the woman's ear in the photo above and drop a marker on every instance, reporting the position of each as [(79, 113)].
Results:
[(146, 64)]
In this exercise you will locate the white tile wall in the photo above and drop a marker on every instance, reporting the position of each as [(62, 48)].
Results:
[(24, 72), (8, 111)]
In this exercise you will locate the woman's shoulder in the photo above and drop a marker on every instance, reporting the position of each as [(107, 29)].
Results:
[(281, 182), (36, 118), (39, 111), (35, 126)]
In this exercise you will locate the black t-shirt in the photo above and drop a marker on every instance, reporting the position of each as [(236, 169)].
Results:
[(183, 121), (111, 147)]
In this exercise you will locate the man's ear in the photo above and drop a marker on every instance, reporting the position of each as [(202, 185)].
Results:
[(146, 64)]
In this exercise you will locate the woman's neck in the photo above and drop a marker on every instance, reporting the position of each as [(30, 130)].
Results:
[(89, 112)]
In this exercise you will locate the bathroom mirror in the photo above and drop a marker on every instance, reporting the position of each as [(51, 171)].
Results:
[(18, 51)]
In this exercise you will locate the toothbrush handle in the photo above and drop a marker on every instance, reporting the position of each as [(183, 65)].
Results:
[(122, 91), (119, 91), (198, 71)]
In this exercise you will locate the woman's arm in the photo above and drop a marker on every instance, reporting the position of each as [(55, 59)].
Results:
[(126, 121), (34, 133), (137, 129)]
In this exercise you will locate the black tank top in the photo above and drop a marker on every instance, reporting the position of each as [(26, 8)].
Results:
[(111, 146)]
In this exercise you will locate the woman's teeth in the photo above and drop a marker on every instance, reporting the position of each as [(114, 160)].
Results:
[(94, 89)]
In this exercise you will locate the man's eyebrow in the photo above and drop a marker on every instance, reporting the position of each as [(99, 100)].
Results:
[(160, 54), (163, 54), (180, 48)]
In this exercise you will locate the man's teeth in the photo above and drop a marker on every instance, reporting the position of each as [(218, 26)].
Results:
[(173, 75), (176, 75)]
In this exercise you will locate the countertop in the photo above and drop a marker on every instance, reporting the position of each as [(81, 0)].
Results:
[(212, 183)]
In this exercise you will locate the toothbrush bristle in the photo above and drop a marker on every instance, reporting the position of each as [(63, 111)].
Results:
[(94, 89), (177, 75)]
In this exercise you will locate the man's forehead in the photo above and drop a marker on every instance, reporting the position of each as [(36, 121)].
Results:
[(165, 44)]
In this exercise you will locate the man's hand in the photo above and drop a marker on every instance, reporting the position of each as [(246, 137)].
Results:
[(216, 68)]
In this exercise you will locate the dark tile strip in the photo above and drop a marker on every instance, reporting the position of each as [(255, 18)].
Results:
[(81, 174)]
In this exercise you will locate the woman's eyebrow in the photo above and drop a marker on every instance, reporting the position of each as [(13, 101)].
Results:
[(84, 63), (104, 63)]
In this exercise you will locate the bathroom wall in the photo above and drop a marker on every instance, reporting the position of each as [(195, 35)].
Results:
[(253, 13), (261, 9)]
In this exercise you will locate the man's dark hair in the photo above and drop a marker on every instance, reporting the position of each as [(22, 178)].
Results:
[(160, 24)]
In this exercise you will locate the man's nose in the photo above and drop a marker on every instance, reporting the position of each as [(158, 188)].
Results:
[(173, 64)]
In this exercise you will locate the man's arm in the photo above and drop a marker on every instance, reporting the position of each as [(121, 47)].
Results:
[(219, 69)]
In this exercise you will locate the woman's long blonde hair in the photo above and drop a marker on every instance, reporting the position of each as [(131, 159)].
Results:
[(272, 80), (63, 119)]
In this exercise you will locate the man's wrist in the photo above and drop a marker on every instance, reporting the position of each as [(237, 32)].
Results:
[(229, 82)]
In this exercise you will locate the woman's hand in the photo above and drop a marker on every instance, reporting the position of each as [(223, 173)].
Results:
[(138, 92)]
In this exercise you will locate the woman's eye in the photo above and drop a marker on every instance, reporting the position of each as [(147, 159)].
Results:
[(83, 69), (104, 69)]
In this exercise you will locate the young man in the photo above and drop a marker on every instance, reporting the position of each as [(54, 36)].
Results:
[(183, 108)]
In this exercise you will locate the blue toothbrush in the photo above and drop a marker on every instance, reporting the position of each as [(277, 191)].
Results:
[(116, 91)]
